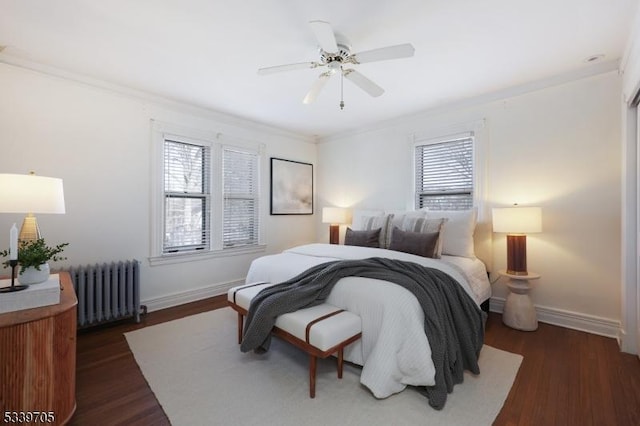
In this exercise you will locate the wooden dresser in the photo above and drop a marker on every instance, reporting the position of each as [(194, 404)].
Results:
[(38, 361)]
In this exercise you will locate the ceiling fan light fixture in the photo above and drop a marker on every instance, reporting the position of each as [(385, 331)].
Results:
[(335, 52), (317, 87)]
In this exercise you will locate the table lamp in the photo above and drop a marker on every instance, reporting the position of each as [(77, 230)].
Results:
[(30, 194), (334, 216), (516, 222)]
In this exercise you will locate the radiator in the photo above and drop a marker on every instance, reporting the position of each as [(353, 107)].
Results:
[(107, 292)]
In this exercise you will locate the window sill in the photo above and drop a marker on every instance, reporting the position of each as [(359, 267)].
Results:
[(193, 257)]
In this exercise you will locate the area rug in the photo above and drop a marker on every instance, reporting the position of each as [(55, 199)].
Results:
[(196, 370)]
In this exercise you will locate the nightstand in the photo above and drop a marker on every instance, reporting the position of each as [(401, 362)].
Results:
[(519, 312)]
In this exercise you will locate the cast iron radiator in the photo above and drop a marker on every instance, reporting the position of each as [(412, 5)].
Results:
[(107, 292)]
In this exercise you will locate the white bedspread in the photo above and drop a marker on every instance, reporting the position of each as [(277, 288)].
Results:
[(394, 350)]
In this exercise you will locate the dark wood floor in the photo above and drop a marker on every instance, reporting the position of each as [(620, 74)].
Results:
[(567, 377)]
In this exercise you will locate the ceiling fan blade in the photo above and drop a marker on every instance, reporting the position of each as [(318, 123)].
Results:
[(317, 87), (324, 35), (287, 67), (383, 53), (363, 82)]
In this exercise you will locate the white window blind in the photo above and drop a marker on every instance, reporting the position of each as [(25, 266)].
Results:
[(186, 197), (241, 197), (444, 174)]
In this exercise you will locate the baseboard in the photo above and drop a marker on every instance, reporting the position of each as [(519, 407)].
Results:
[(573, 320), (175, 299)]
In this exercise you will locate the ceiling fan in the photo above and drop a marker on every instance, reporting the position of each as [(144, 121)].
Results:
[(335, 55)]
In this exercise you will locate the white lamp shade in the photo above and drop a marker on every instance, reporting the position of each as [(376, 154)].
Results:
[(31, 194), (517, 220), (334, 215)]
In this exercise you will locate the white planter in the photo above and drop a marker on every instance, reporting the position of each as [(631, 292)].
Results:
[(32, 276)]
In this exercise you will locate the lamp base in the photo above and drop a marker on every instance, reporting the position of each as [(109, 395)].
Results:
[(334, 234), (511, 272), (517, 255), (29, 231)]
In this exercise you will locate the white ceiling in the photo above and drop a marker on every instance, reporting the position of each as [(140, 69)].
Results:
[(206, 52)]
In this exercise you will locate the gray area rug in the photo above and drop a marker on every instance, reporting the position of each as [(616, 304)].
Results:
[(196, 370)]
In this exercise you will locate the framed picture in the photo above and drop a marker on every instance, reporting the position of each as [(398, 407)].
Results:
[(291, 187)]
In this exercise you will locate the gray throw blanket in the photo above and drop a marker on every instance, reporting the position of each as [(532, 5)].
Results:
[(453, 322)]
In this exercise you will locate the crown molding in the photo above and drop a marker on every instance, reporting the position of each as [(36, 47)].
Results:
[(130, 92), (181, 106), (630, 46), (556, 80)]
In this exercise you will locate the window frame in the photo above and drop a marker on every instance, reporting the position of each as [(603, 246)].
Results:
[(216, 142), (205, 196), (478, 131), (463, 137)]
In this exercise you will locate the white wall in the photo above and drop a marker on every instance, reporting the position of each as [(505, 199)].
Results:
[(557, 148), (630, 66), (99, 142)]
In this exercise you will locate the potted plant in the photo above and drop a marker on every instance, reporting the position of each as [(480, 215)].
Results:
[(33, 258)]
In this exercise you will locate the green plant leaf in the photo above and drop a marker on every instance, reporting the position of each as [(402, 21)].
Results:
[(35, 253)]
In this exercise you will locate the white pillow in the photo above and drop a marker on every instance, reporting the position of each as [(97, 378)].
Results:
[(457, 232), (400, 215), (357, 217)]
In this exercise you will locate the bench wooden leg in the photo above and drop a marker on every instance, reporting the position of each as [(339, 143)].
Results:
[(240, 326), (312, 376), (340, 362)]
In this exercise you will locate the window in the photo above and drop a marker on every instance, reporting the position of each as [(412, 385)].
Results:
[(241, 202), (206, 197), (444, 173), (186, 196)]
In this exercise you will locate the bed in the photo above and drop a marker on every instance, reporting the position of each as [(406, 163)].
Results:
[(394, 351)]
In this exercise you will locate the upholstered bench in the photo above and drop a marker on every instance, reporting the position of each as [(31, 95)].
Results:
[(320, 330)]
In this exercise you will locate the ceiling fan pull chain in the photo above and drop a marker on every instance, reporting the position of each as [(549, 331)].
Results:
[(341, 90)]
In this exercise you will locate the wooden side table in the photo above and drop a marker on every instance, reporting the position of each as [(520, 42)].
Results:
[(519, 312), (38, 354)]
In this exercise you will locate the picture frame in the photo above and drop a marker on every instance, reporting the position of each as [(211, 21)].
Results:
[(291, 187)]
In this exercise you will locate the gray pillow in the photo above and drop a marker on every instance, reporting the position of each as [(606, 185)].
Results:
[(423, 244), (424, 225), (370, 238), (370, 223)]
